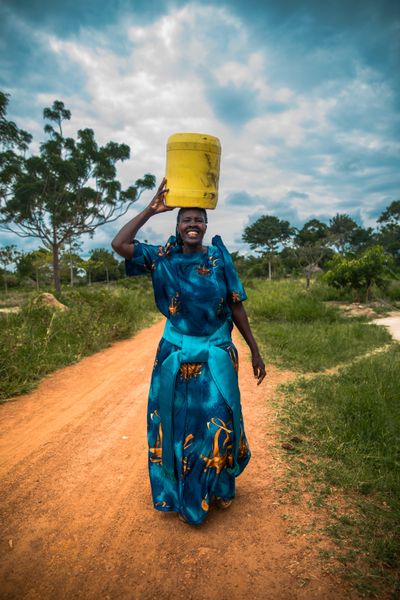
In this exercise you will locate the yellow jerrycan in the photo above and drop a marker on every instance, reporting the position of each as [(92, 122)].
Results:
[(192, 170)]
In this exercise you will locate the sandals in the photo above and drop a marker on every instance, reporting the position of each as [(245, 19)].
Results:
[(182, 518), (219, 503), (222, 503)]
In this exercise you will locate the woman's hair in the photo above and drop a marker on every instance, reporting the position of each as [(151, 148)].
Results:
[(178, 218)]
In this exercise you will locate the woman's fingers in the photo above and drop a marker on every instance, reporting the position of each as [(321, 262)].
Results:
[(259, 370), (162, 184), (261, 375)]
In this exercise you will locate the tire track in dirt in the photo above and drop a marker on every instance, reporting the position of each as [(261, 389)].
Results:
[(76, 508)]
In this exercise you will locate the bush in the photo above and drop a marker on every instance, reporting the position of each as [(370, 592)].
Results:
[(38, 340)]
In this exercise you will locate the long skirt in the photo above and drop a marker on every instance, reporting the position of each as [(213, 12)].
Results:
[(203, 440)]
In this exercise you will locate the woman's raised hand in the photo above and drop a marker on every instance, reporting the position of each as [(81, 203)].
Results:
[(157, 205)]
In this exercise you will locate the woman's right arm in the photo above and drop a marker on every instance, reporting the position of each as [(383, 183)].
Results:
[(123, 241)]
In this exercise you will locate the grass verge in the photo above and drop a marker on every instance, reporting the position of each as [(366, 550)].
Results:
[(349, 424), (39, 340), (297, 330)]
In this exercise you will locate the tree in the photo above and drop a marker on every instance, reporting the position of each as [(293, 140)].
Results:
[(70, 260), (8, 256), (389, 232), (342, 228), (68, 189), (32, 264), (104, 262), (359, 273), (14, 143), (266, 234), (311, 243), (361, 239)]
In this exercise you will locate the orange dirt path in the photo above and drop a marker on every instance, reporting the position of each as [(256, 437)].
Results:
[(76, 511)]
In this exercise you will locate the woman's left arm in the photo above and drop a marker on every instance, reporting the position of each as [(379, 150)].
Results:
[(239, 317)]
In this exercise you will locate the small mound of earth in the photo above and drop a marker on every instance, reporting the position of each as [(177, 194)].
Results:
[(47, 299), (354, 309)]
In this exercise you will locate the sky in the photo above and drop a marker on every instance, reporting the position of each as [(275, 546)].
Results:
[(304, 96)]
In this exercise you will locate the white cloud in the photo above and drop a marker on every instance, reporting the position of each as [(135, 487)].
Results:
[(160, 84)]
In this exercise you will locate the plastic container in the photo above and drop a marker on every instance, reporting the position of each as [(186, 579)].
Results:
[(192, 171)]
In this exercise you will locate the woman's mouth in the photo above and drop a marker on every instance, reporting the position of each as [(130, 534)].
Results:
[(192, 233)]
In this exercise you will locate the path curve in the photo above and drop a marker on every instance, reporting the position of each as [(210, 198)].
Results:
[(391, 322), (76, 508)]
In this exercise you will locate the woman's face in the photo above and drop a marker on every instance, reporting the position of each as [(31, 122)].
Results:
[(192, 226)]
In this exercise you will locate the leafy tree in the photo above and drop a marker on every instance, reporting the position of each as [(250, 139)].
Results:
[(311, 245), (359, 273), (68, 189), (104, 263), (360, 239), (35, 263), (389, 232), (266, 234), (8, 256), (14, 143), (342, 228)]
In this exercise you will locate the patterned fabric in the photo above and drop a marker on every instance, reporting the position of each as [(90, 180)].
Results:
[(192, 292)]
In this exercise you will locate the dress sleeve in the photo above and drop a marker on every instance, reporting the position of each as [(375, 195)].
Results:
[(236, 291), (142, 260)]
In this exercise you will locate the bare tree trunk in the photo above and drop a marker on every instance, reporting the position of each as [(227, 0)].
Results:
[(269, 269), (56, 262), (71, 264), (107, 277), (56, 267)]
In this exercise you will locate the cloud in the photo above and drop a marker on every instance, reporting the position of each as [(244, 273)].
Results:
[(294, 194), (302, 96), (243, 199)]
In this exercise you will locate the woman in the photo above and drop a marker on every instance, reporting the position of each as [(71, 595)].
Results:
[(197, 443)]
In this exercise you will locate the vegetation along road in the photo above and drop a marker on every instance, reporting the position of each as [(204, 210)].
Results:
[(77, 515)]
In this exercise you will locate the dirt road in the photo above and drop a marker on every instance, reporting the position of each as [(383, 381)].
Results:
[(76, 511)]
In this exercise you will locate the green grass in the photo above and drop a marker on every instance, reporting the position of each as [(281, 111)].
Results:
[(350, 427), (347, 426), (298, 331), (39, 340)]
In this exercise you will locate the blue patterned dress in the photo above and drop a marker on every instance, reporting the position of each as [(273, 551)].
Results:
[(192, 292)]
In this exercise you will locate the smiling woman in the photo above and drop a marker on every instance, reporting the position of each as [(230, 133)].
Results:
[(196, 437)]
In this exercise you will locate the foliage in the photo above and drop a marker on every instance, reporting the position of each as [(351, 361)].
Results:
[(350, 427), (36, 265), (360, 273), (266, 234), (37, 340), (50, 195), (298, 331), (341, 228), (8, 256), (104, 264), (389, 232), (311, 245)]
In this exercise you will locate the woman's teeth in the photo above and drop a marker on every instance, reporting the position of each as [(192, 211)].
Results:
[(192, 233)]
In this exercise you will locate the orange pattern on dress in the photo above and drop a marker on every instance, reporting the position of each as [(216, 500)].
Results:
[(233, 357), (156, 452), (185, 467), (202, 270), (174, 305), (189, 370), (217, 460)]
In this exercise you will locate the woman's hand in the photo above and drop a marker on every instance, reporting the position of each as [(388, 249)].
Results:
[(157, 205), (258, 367)]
